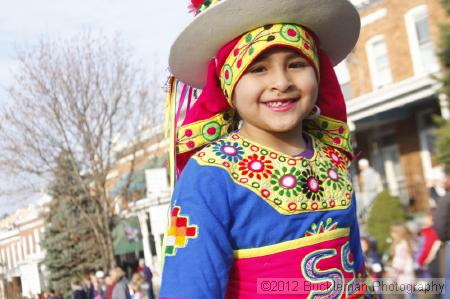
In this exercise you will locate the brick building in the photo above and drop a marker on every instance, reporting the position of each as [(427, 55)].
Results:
[(391, 93)]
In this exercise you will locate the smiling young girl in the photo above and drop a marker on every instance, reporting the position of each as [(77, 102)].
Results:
[(264, 206)]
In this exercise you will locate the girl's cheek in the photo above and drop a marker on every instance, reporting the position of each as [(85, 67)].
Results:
[(234, 102)]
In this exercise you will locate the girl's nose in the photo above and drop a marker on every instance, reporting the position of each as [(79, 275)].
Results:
[(280, 80)]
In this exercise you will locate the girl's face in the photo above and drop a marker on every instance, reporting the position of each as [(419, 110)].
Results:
[(278, 90)]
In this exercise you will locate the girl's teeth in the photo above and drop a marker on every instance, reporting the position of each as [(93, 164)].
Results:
[(277, 104)]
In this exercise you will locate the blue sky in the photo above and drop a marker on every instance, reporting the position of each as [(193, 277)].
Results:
[(148, 26)]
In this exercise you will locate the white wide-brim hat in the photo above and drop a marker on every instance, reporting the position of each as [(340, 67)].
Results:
[(335, 22)]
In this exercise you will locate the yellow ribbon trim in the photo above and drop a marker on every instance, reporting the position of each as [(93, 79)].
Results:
[(293, 244), (197, 134), (331, 132)]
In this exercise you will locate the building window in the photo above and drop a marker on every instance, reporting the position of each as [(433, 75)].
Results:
[(422, 50), (343, 76), (380, 68)]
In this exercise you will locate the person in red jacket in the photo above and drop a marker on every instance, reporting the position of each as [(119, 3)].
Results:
[(109, 286), (427, 256)]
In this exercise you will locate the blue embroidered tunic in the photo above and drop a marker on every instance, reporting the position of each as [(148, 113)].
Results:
[(243, 214)]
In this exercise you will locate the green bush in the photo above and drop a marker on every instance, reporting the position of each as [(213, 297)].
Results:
[(386, 210), (443, 143)]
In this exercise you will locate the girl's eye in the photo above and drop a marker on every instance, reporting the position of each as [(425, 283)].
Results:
[(298, 64), (257, 69)]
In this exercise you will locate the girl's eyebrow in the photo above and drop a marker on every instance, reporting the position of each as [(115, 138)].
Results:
[(296, 55), (291, 55)]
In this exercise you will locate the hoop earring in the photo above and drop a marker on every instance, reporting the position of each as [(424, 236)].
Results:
[(315, 112)]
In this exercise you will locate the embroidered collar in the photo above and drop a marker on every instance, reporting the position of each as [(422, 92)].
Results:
[(291, 185)]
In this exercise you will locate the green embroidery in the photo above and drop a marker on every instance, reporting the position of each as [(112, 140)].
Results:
[(291, 185)]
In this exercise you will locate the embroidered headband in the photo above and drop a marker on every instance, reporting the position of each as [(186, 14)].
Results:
[(255, 42)]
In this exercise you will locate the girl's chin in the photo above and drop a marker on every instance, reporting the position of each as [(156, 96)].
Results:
[(283, 128)]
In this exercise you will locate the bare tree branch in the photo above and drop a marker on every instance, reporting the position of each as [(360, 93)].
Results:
[(79, 96)]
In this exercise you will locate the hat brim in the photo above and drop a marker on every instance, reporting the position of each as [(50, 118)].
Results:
[(335, 22)]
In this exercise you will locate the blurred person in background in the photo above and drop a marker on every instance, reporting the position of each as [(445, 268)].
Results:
[(77, 289), (427, 256), (109, 286), (436, 186), (441, 223), (374, 265), (99, 285), (136, 288), (148, 275), (120, 290), (428, 249), (371, 257), (137, 281), (88, 286), (370, 186), (401, 270)]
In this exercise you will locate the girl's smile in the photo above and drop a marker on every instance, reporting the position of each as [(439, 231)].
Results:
[(281, 105), (275, 94)]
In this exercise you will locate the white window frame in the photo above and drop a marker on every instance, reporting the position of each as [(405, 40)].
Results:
[(372, 63), (410, 21)]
